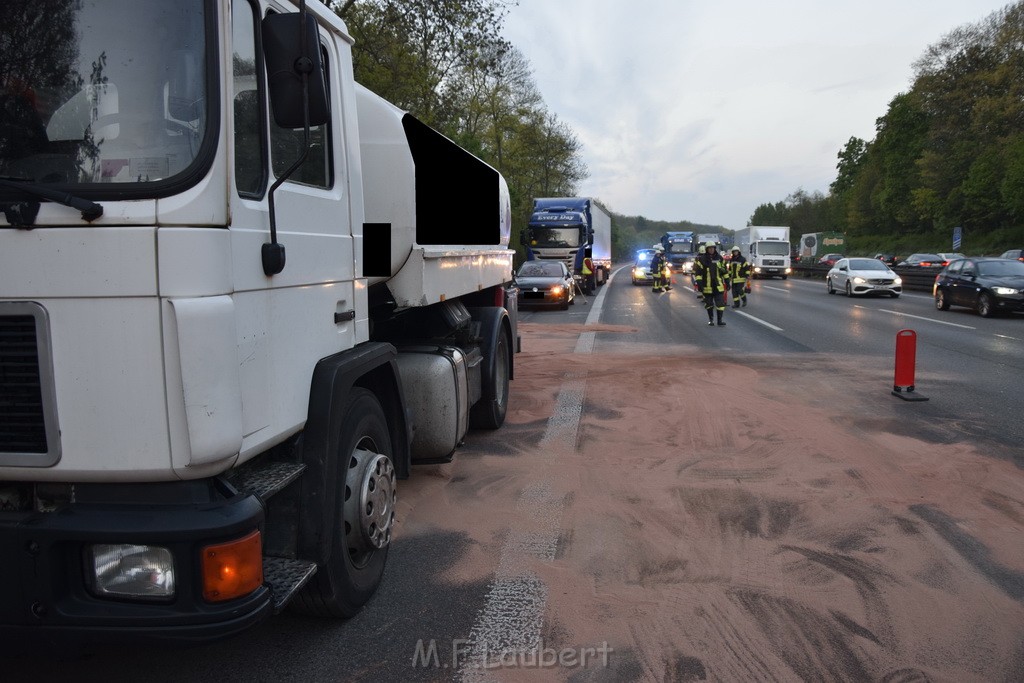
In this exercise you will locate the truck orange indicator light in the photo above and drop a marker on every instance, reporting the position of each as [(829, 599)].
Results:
[(233, 569)]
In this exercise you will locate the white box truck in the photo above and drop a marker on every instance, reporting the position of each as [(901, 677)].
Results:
[(235, 308), (767, 249)]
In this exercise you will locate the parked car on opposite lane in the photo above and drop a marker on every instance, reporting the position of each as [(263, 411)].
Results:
[(987, 285), (950, 256), (858, 276), (545, 283), (829, 259), (887, 259), (1017, 254), (923, 261)]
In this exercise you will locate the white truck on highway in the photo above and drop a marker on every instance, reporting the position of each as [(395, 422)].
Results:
[(235, 307), (767, 249)]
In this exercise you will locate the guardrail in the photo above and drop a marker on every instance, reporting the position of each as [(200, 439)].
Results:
[(914, 279)]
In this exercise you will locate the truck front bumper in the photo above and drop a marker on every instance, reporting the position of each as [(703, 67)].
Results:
[(45, 597)]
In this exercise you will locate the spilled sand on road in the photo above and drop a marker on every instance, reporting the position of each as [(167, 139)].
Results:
[(744, 520)]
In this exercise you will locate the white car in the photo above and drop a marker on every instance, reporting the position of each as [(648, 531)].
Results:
[(863, 276)]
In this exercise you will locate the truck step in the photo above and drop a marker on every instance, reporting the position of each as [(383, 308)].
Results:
[(266, 479), (285, 577)]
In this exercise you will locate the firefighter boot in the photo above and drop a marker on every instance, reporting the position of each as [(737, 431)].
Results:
[(721, 323)]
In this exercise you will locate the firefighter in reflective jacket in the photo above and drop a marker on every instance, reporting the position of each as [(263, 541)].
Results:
[(658, 269), (739, 275), (711, 279), (588, 274)]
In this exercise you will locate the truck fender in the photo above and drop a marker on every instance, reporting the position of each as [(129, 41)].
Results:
[(372, 366)]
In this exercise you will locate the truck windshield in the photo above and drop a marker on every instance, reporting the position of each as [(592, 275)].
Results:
[(681, 247), (554, 237), (101, 92), (773, 248)]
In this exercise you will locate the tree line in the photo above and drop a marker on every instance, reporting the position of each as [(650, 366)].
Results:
[(947, 153)]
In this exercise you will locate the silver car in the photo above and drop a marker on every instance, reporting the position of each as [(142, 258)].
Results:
[(863, 276)]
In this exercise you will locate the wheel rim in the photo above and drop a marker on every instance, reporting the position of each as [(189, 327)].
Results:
[(370, 497), (849, 289), (984, 305), (940, 300)]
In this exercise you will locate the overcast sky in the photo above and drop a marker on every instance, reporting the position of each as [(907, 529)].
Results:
[(703, 110)]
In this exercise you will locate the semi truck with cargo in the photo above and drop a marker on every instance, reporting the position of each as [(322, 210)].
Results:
[(235, 310), (568, 229), (681, 250), (814, 245), (767, 249)]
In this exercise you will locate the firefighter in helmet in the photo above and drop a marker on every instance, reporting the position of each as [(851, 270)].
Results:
[(711, 278), (739, 275)]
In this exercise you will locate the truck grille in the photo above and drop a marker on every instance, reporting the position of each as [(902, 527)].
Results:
[(27, 409), (773, 262)]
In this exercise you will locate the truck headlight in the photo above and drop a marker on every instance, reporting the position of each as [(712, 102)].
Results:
[(127, 571)]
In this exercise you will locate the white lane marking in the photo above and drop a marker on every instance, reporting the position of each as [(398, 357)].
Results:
[(758, 320), (777, 289), (1006, 336), (917, 317), (513, 613)]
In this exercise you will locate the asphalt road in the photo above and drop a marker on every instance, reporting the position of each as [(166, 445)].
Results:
[(820, 528), (970, 367)]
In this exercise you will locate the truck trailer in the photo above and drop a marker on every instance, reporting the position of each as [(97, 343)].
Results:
[(767, 249), (235, 310), (816, 244), (568, 229)]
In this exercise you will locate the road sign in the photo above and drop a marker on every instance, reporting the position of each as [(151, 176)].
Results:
[(957, 237)]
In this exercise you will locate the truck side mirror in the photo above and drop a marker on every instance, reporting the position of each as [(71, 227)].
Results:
[(287, 61)]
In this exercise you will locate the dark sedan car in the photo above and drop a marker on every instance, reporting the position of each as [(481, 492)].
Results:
[(545, 283), (1013, 253), (924, 261), (987, 285), (887, 259), (829, 259)]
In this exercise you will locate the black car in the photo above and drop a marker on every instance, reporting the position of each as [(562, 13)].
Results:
[(887, 259), (924, 261), (545, 283), (987, 285)]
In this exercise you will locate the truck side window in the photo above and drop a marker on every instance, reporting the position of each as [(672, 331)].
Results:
[(250, 152), (286, 146)]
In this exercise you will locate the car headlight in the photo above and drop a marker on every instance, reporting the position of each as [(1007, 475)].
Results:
[(1005, 291), (858, 280), (556, 290), (898, 281)]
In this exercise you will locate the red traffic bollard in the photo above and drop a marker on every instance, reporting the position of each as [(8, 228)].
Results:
[(906, 357)]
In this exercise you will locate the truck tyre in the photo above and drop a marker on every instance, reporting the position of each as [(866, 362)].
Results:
[(363, 515), (489, 413)]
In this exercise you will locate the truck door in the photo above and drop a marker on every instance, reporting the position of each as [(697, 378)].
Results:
[(286, 322)]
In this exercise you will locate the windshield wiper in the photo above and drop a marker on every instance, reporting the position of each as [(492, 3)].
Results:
[(24, 214)]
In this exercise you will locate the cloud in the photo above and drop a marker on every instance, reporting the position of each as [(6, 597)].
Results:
[(702, 111)]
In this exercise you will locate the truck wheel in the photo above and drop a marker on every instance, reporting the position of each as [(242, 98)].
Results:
[(489, 413), (364, 513)]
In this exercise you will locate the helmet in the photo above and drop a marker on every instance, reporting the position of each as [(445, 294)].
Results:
[(709, 244), (658, 248), (735, 248), (700, 249)]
